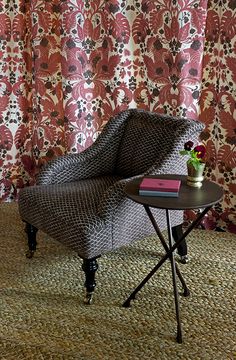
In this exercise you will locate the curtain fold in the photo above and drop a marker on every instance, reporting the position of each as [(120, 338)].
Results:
[(67, 66), (218, 111)]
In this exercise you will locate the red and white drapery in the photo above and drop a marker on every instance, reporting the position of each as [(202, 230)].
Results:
[(67, 66)]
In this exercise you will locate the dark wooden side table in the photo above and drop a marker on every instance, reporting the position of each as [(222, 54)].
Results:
[(189, 198)]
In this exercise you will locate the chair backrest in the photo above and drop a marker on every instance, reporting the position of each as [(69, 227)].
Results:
[(148, 138)]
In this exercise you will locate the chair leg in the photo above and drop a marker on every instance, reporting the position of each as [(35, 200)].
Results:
[(177, 233), (32, 243), (89, 267)]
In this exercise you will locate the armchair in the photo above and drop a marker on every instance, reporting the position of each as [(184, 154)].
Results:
[(79, 199)]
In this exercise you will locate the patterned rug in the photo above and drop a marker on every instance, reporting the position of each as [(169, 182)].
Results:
[(42, 315)]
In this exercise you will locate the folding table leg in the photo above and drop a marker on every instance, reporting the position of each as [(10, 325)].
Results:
[(173, 268), (162, 239), (168, 255)]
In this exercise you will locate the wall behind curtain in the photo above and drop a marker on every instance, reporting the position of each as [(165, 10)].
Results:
[(67, 66)]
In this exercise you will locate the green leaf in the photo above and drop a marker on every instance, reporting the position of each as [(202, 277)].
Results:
[(184, 152)]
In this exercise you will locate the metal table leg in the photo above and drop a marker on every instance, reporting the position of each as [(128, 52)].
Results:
[(162, 239), (173, 269), (168, 255)]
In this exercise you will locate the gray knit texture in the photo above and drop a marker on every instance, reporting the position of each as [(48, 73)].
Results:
[(79, 199)]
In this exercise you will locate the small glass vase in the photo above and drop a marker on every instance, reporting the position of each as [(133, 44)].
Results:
[(195, 176)]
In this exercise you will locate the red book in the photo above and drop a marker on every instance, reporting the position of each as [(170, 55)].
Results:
[(154, 184)]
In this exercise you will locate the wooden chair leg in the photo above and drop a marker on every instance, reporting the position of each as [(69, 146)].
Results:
[(177, 233), (89, 267), (32, 243)]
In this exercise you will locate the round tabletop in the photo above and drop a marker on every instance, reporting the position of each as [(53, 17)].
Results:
[(188, 198)]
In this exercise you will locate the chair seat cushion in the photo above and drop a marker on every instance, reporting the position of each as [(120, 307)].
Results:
[(68, 213)]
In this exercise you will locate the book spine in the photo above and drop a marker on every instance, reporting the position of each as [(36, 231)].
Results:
[(157, 189), (158, 193)]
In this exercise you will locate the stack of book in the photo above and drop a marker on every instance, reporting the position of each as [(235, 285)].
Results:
[(159, 187)]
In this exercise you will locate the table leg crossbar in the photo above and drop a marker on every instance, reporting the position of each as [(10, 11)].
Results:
[(164, 244), (169, 255)]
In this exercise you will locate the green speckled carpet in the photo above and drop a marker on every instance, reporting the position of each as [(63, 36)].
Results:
[(42, 315)]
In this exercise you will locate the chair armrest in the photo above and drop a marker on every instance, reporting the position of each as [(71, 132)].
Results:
[(172, 162), (72, 167), (98, 159), (169, 162)]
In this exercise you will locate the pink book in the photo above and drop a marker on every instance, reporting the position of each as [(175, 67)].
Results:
[(160, 184)]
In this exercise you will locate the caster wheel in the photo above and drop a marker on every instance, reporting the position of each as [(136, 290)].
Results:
[(184, 259), (29, 254), (88, 300)]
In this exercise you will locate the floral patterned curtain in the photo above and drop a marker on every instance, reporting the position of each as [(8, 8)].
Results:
[(218, 110), (67, 66)]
